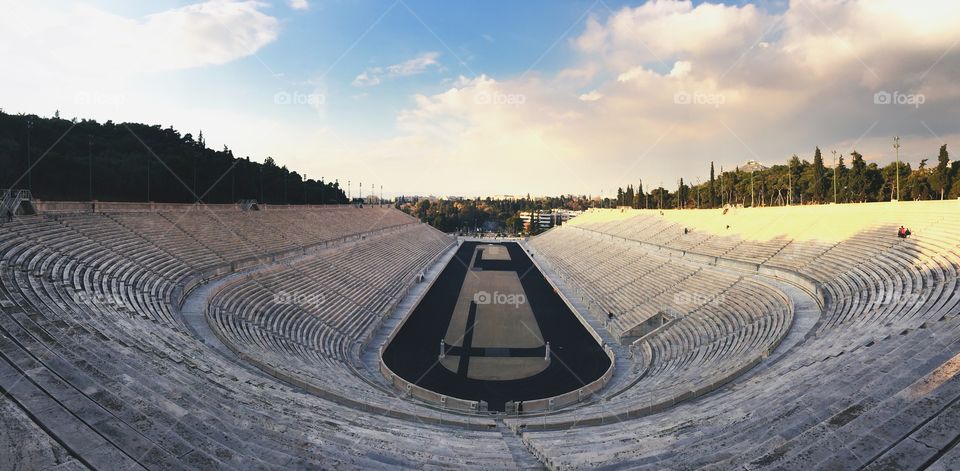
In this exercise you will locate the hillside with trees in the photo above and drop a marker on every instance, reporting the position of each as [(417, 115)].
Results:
[(73, 160), (806, 182)]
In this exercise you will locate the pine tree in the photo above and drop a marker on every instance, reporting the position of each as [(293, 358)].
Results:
[(941, 176), (857, 179), (818, 172)]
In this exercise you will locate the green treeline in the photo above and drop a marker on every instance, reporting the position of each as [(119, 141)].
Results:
[(137, 162)]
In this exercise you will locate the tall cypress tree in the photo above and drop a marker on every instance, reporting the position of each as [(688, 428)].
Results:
[(941, 175), (713, 188), (818, 172)]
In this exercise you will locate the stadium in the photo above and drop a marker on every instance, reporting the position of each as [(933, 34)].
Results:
[(538, 235), (184, 336)]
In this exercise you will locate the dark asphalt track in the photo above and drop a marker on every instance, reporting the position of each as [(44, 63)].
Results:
[(577, 359)]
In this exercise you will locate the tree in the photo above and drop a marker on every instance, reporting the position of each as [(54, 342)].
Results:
[(955, 179), (713, 188), (857, 179), (875, 183), (918, 182), (122, 163), (941, 175), (816, 182), (842, 189), (793, 179)]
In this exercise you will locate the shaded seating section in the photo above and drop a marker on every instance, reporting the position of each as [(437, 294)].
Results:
[(877, 383), (93, 350)]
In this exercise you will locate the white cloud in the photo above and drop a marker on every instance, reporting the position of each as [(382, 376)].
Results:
[(84, 41), (756, 85), (417, 65), (368, 78), (299, 4), (680, 69), (593, 95)]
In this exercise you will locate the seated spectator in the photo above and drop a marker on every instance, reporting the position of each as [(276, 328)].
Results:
[(902, 233)]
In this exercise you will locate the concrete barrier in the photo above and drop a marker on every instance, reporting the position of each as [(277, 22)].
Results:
[(572, 397)]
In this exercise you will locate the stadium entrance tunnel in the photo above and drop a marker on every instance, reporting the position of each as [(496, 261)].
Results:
[(491, 328)]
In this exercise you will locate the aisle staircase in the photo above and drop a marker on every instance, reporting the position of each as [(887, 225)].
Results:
[(16, 203)]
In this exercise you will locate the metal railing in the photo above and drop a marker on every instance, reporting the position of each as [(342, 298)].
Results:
[(12, 199)]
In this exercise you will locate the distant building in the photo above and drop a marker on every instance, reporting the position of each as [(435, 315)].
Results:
[(543, 220), (753, 166)]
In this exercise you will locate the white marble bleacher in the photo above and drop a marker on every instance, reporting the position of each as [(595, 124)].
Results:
[(123, 385), (877, 386), (725, 322), (323, 310)]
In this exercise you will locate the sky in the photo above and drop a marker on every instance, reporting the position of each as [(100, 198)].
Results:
[(489, 97)]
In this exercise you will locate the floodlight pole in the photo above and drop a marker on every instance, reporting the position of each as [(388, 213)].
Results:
[(896, 146)]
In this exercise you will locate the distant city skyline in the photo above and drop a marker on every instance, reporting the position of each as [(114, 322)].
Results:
[(500, 98)]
